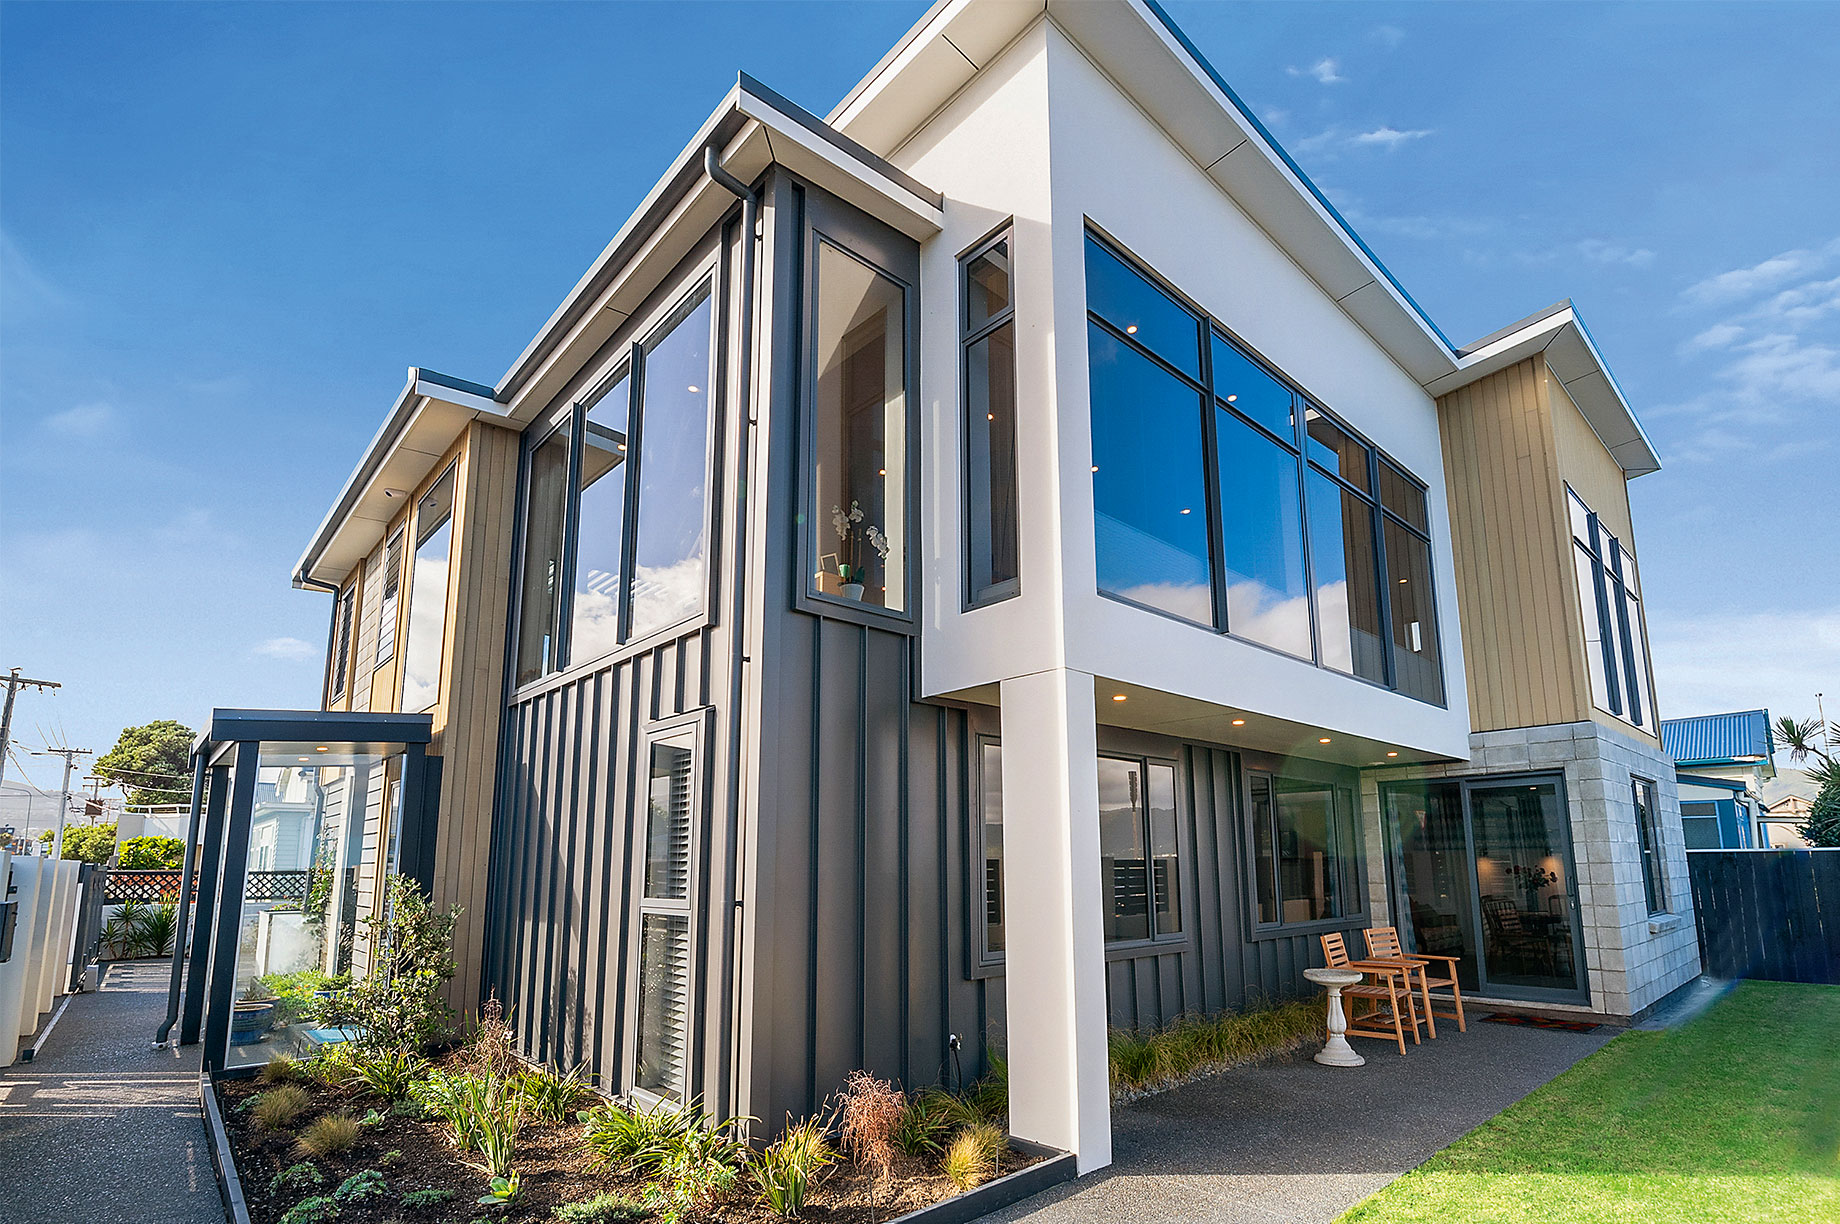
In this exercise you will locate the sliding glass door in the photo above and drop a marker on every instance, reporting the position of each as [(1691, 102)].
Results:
[(1482, 870)]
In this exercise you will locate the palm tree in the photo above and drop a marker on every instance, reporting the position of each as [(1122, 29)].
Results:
[(1810, 738)]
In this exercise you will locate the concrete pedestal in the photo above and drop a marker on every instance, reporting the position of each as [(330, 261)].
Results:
[(1336, 1052)]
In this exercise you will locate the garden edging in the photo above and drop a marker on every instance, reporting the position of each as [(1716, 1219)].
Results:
[(222, 1159), (1054, 1167)]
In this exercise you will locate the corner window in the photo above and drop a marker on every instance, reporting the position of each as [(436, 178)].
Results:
[(616, 500), (1305, 852), (392, 589), (1648, 837), (1140, 850), (1610, 607), (1320, 545), (342, 614), (858, 518), (434, 520), (988, 341)]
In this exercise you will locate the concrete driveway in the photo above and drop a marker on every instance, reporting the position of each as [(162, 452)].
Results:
[(1300, 1142)]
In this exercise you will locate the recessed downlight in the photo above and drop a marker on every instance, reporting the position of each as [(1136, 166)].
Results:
[(322, 748), (1117, 696), (1131, 330), (1239, 722), (1392, 754), (1323, 740)]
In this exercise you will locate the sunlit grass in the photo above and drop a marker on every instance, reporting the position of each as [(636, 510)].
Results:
[(1734, 1117)]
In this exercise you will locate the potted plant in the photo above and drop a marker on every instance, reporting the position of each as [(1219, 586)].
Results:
[(853, 533)]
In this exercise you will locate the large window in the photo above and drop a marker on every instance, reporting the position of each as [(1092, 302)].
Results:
[(392, 591), (1140, 850), (434, 520), (1305, 854), (858, 519), (1320, 545), (1609, 603), (988, 339), (616, 500), (660, 1052), (1648, 836)]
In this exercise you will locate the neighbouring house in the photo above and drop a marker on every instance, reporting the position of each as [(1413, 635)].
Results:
[(1788, 801), (1723, 762), (996, 563)]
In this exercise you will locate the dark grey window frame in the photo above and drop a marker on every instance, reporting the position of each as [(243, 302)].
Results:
[(1350, 868), (1645, 795), (1302, 402), (973, 598), (628, 357), (338, 683), (416, 531), (1617, 636), (881, 248), (983, 963), (391, 600), (693, 726)]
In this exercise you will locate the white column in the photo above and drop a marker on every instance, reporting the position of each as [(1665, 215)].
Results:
[(1059, 1076)]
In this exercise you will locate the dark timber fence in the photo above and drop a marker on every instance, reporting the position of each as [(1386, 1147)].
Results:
[(1772, 914)]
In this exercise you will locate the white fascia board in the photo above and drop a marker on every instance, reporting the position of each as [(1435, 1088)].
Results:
[(1573, 357), (424, 422)]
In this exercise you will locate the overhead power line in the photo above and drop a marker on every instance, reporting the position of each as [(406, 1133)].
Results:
[(14, 682)]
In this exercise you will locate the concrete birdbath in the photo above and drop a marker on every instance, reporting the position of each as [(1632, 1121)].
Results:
[(1336, 1052)]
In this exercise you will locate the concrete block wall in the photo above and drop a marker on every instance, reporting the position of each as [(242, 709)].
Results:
[(1633, 958)]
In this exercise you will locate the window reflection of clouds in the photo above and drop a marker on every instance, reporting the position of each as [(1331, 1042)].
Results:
[(669, 575)]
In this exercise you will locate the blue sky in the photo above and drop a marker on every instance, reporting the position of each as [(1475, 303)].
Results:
[(226, 230)]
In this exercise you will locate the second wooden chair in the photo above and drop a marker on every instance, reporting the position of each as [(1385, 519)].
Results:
[(1383, 945), (1390, 985)]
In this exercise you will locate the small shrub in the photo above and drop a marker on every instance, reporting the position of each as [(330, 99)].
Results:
[(928, 1120), (502, 1192), (482, 1112), (277, 1108), (296, 1177), (320, 1209), (386, 1073), (151, 853), (332, 1066), (623, 1140), (868, 1114), (973, 1155), (547, 1096), (409, 1108), (360, 1186), (601, 1209), (990, 1095), (787, 1170), (422, 1200), (398, 1004), (280, 1070), (328, 1135), (390, 1159)]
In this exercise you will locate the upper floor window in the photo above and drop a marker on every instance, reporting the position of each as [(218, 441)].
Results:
[(428, 574), (340, 659), (988, 340), (1300, 536), (616, 500), (392, 590), (1609, 604), (858, 518)]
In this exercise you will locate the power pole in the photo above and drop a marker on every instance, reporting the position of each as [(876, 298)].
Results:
[(14, 683), (70, 756)]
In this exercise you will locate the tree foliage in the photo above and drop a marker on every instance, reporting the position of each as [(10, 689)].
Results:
[(1811, 738), (154, 762), (398, 1004), (154, 853), (92, 843), (1822, 828)]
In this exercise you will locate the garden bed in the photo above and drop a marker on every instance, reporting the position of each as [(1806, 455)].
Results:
[(417, 1163)]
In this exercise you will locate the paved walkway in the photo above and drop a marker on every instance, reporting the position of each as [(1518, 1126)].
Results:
[(1302, 1143), (102, 1129)]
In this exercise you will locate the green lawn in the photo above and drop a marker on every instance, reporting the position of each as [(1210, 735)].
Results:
[(1734, 1117)]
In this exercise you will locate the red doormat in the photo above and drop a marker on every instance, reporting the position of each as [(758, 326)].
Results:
[(1542, 1022)]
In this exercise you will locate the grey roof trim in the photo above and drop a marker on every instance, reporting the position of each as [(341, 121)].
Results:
[(1531, 321), (338, 726)]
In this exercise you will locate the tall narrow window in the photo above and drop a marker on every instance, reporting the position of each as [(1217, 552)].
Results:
[(989, 342), (1261, 504), (545, 506), (1139, 863), (1303, 850), (1648, 836), (858, 516), (434, 517), (600, 539), (990, 783), (1417, 669), (1343, 567), (1609, 605), (660, 1052), (341, 648), (392, 587), (670, 576)]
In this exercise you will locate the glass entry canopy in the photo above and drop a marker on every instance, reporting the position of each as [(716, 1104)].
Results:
[(302, 818), (1482, 870)]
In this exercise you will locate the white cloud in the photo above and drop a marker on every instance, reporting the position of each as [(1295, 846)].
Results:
[(1746, 282), (1598, 251), (85, 422), (1326, 71), (292, 649), (1389, 138), (1719, 335), (1775, 659)]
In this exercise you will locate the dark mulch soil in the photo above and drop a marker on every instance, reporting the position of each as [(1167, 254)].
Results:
[(552, 1163)]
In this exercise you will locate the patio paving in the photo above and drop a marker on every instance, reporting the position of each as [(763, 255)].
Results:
[(1300, 1142), (102, 1128)]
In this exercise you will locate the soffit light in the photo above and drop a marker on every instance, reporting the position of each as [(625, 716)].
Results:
[(1323, 740), (1118, 697), (1131, 330), (1392, 754), (1239, 722)]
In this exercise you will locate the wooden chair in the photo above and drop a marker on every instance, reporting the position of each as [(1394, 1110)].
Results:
[(1389, 984), (1383, 945)]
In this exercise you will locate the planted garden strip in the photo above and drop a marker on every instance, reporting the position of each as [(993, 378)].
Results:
[(223, 1159)]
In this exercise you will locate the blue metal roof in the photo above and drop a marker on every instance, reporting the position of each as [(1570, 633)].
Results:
[(1718, 739)]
